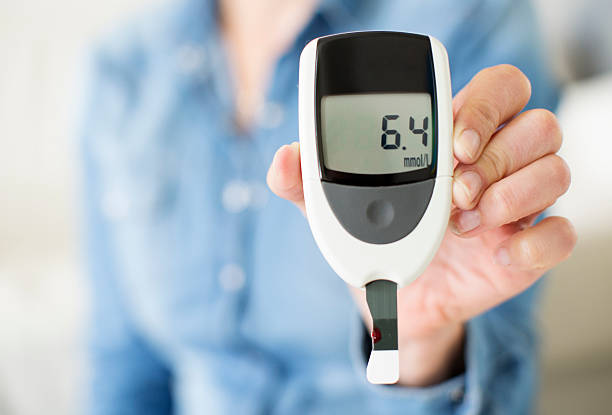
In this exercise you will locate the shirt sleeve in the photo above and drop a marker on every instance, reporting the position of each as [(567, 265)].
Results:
[(125, 373), (501, 345)]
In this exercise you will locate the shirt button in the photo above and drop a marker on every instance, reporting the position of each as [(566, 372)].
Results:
[(231, 278), (115, 205), (457, 394), (191, 59), (271, 115), (236, 196), (259, 194)]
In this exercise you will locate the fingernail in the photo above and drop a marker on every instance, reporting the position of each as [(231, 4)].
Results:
[(466, 187), (466, 221), (467, 144), (502, 257)]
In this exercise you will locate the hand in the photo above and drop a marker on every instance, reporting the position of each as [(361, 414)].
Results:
[(506, 173)]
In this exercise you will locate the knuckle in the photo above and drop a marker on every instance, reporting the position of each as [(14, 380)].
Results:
[(502, 203), (531, 252), (547, 122), (515, 76), (569, 235), (560, 172), (494, 164), (546, 119), (567, 228), (485, 113)]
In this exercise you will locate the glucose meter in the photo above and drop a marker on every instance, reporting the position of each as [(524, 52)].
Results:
[(375, 123)]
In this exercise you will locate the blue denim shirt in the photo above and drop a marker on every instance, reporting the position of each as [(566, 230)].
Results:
[(209, 293)]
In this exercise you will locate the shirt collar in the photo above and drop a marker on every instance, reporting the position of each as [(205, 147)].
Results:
[(199, 16), (343, 13)]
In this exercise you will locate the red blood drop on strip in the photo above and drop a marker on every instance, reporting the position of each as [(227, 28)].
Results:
[(376, 336)]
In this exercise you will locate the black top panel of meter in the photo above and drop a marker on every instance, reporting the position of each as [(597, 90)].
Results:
[(376, 109)]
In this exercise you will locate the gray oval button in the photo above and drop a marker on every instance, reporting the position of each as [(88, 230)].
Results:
[(380, 213)]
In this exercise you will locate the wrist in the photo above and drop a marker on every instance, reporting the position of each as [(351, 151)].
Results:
[(432, 358)]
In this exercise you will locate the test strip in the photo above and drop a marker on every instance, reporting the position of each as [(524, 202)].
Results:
[(383, 366)]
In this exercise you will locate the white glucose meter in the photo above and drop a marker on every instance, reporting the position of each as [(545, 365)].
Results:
[(375, 116)]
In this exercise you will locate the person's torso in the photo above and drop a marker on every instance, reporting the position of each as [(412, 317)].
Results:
[(223, 277)]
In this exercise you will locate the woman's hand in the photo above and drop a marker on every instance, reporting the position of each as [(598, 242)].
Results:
[(507, 172)]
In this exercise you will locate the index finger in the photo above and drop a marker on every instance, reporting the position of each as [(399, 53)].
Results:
[(490, 99)]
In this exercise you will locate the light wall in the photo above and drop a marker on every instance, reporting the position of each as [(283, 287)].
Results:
[(42, 293)]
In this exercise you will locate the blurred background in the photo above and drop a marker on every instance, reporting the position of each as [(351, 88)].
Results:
[(42, 292)]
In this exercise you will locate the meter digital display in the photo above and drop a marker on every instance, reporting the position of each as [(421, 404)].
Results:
[(376, 133), (375, 108)]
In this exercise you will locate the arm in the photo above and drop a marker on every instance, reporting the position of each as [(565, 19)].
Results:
[(126, 374)]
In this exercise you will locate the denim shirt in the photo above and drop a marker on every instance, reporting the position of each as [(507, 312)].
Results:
[(209, 294)]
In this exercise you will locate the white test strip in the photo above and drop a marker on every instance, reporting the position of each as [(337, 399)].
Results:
[(383, 367)]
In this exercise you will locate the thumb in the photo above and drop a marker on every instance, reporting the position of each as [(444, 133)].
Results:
[(285, 175)]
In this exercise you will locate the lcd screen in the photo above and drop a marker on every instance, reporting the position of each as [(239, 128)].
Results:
[(377, 133)]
